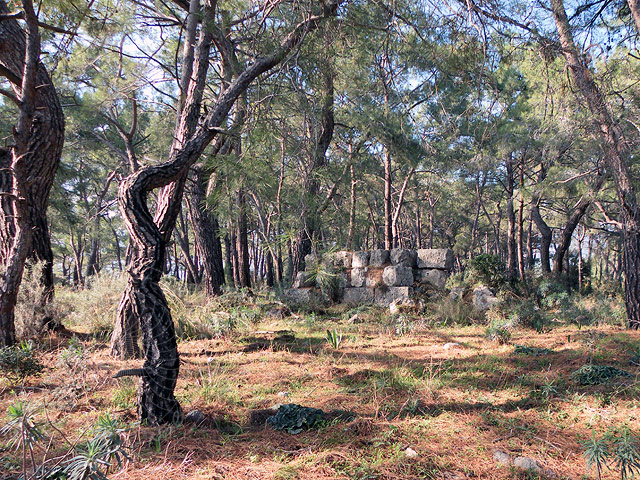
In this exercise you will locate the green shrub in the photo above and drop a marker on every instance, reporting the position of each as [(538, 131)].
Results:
[(18, 362), (31, 312), (487, 269), (617, 449), (498, 332), (596, 374), (294, 418)]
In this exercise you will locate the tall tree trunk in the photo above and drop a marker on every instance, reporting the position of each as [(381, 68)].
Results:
[(242, 242), (309, 215), (617, 158), (512, 253), (206, 232), (32, 159), (388, 211), (574, 219)]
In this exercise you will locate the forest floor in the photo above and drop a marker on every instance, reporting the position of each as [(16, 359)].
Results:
[(447, 393)]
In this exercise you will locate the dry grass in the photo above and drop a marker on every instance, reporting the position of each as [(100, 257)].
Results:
[(453, 406)]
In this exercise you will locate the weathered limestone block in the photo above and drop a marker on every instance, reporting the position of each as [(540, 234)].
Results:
[(310, 261), (403, 258), (441, 258), (341, 259), (374, 277), (483, 298), (303, 280), (386, 295), (378, 258), (360, 259), (435, 277), (301, 295), (358, 277), (358, 296), (397, 276)]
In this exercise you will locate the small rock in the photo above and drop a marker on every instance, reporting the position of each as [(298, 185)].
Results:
[(283, 394), (450, 345), (502, 457), (527, 463), (410, 453), (355, 319), (210, 360), (394, 307), (194, 416), (483, 298)]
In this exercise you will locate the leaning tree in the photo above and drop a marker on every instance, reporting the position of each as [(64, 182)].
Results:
[(195, 129)]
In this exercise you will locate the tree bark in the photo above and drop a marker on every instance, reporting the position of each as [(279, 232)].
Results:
[(617, 158), (150, 235), (206, 232), (512, 253), (32, 161)]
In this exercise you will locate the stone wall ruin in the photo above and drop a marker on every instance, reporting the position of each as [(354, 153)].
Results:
[(367, 277)]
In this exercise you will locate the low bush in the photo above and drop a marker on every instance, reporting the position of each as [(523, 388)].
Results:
[(18, 362)]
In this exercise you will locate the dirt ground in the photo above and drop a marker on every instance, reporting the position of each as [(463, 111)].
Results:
[(449, 395)]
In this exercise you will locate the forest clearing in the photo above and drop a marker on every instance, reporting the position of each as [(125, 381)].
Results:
[(395, 382)]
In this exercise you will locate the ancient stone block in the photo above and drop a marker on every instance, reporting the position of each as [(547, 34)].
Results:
[(358, 296), (374, 277), (310, 261), (384, 296), (435, 277), (360, 259), (301, 295), (441, 258), (342, 259), (303, 279), (403, 258), (358, 277), (378, 258), (397, 276)]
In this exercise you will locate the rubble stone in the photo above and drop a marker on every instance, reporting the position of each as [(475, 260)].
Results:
[(483, 298), (310, 261), (374, 277), (303, 280), (437, 278), (386, 295), (301, 295)]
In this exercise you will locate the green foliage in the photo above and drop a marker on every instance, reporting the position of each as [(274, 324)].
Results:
[(487, 269), (551, 293), (498, 332), (73, 355), (18, 362), (533, 351), (327, 278), (617, 449), (596, 374), (22, 429), (334, 338), (294, 418)]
